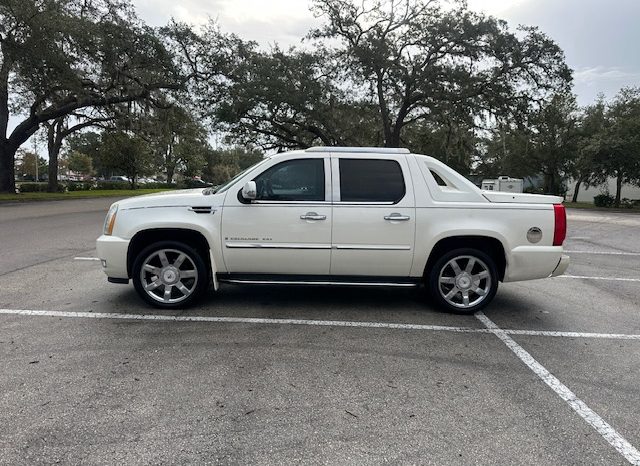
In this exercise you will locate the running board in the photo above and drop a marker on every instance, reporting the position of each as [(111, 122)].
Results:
[(253, 279)]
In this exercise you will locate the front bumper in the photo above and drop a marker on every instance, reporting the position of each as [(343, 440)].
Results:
[(112, 252), (562, 266)]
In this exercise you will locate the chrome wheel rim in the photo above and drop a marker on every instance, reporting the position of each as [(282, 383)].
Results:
[(169, 276), (464, 282)]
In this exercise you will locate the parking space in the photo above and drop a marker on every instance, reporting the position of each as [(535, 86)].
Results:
[(320, 375)]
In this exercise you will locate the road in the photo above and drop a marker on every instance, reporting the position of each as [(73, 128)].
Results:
[(313, 375)]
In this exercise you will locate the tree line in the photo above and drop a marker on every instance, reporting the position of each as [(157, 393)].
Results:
[(429, 75)]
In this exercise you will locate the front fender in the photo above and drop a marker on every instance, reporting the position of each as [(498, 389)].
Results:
[(133, 221)]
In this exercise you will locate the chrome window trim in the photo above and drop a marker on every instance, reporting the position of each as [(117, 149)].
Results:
[(328, 177), (309, 203)]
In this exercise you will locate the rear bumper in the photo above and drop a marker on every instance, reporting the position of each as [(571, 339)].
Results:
[(533, 262), (562, 266), (112, 252)]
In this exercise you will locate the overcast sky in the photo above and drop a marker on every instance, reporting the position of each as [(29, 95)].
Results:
[(600, 37)]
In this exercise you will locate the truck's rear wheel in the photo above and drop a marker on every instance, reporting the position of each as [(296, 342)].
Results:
[(463, 280), (170, 274)]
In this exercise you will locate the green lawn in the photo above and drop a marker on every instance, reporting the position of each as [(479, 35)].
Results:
[(589, 205), (77, 194), (580, 205)]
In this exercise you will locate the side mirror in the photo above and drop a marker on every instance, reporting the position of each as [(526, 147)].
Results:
[(249, 191)]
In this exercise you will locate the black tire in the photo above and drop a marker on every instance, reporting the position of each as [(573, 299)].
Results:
[(193, 265), (483, 265)]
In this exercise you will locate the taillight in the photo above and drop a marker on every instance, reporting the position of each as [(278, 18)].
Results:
[(560, 230)]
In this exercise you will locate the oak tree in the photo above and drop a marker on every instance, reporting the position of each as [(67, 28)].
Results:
[(60, 56)]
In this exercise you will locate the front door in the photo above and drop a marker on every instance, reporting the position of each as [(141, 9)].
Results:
[(287, 228), (373, 217)]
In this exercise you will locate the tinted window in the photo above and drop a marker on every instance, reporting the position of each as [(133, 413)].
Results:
[(294, 180), (438, 179), (363, 180)]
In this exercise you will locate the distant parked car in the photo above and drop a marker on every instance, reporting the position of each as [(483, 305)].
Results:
[(122, 179), (197, 183)]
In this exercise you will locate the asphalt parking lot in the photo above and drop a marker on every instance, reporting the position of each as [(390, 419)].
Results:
[(549, 374)]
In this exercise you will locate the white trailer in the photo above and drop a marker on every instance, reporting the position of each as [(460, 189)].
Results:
[(504, 184)]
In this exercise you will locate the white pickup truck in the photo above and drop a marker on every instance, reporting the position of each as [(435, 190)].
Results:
[(335, 216)]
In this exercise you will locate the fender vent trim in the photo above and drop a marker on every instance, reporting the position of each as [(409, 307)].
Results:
[(202, 209)]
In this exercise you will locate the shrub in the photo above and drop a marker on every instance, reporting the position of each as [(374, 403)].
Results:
[(33, 187), (112, 185), (603, 200), (39, 188), (79, 186), (626, 203), (158, 185)]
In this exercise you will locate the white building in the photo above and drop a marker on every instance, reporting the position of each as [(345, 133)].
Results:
[(586, 195)]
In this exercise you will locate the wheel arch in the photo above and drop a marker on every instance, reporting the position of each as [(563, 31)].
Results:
[(193, 238), (488, 244)]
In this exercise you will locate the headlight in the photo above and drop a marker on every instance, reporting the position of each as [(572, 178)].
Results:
[(110, 221)]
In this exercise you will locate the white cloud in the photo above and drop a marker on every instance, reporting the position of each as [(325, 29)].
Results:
[(592, 75), (265, 21), (591, 81), (494, 7)]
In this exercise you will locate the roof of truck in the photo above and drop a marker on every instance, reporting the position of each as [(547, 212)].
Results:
[(368, 150)]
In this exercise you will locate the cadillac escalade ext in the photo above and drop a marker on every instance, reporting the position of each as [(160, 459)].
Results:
[(335, 216)]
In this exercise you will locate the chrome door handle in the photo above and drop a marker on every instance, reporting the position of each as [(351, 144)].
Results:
[(397, 217), (312, 216)]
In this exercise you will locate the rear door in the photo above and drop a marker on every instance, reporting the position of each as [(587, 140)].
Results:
[(373, 216)]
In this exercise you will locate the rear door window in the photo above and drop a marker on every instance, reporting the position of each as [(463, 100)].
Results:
[(371, 180)]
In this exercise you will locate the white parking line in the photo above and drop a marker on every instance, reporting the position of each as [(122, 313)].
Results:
[(550, 333), (311, 322), (631, 454), (591, 417), (86, 258), (613, 279), (242, 320), (605, 253)]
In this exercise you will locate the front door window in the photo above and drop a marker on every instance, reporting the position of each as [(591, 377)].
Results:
[(293, 180)]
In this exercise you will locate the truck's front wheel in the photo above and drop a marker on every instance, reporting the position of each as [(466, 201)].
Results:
[(170, 274), (463, 280)]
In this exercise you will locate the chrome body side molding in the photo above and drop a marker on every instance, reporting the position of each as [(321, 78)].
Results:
[(242, 245), (360, 247), (318, 280)]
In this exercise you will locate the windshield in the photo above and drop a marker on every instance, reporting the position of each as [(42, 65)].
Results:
[(222, 188)]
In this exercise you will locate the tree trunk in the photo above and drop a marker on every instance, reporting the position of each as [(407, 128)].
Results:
[(54, 144), (618, 189), (7, 168), (170, 164), (52, 184), (394, 140), (576, 190), (170, 173), (384, 109)]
